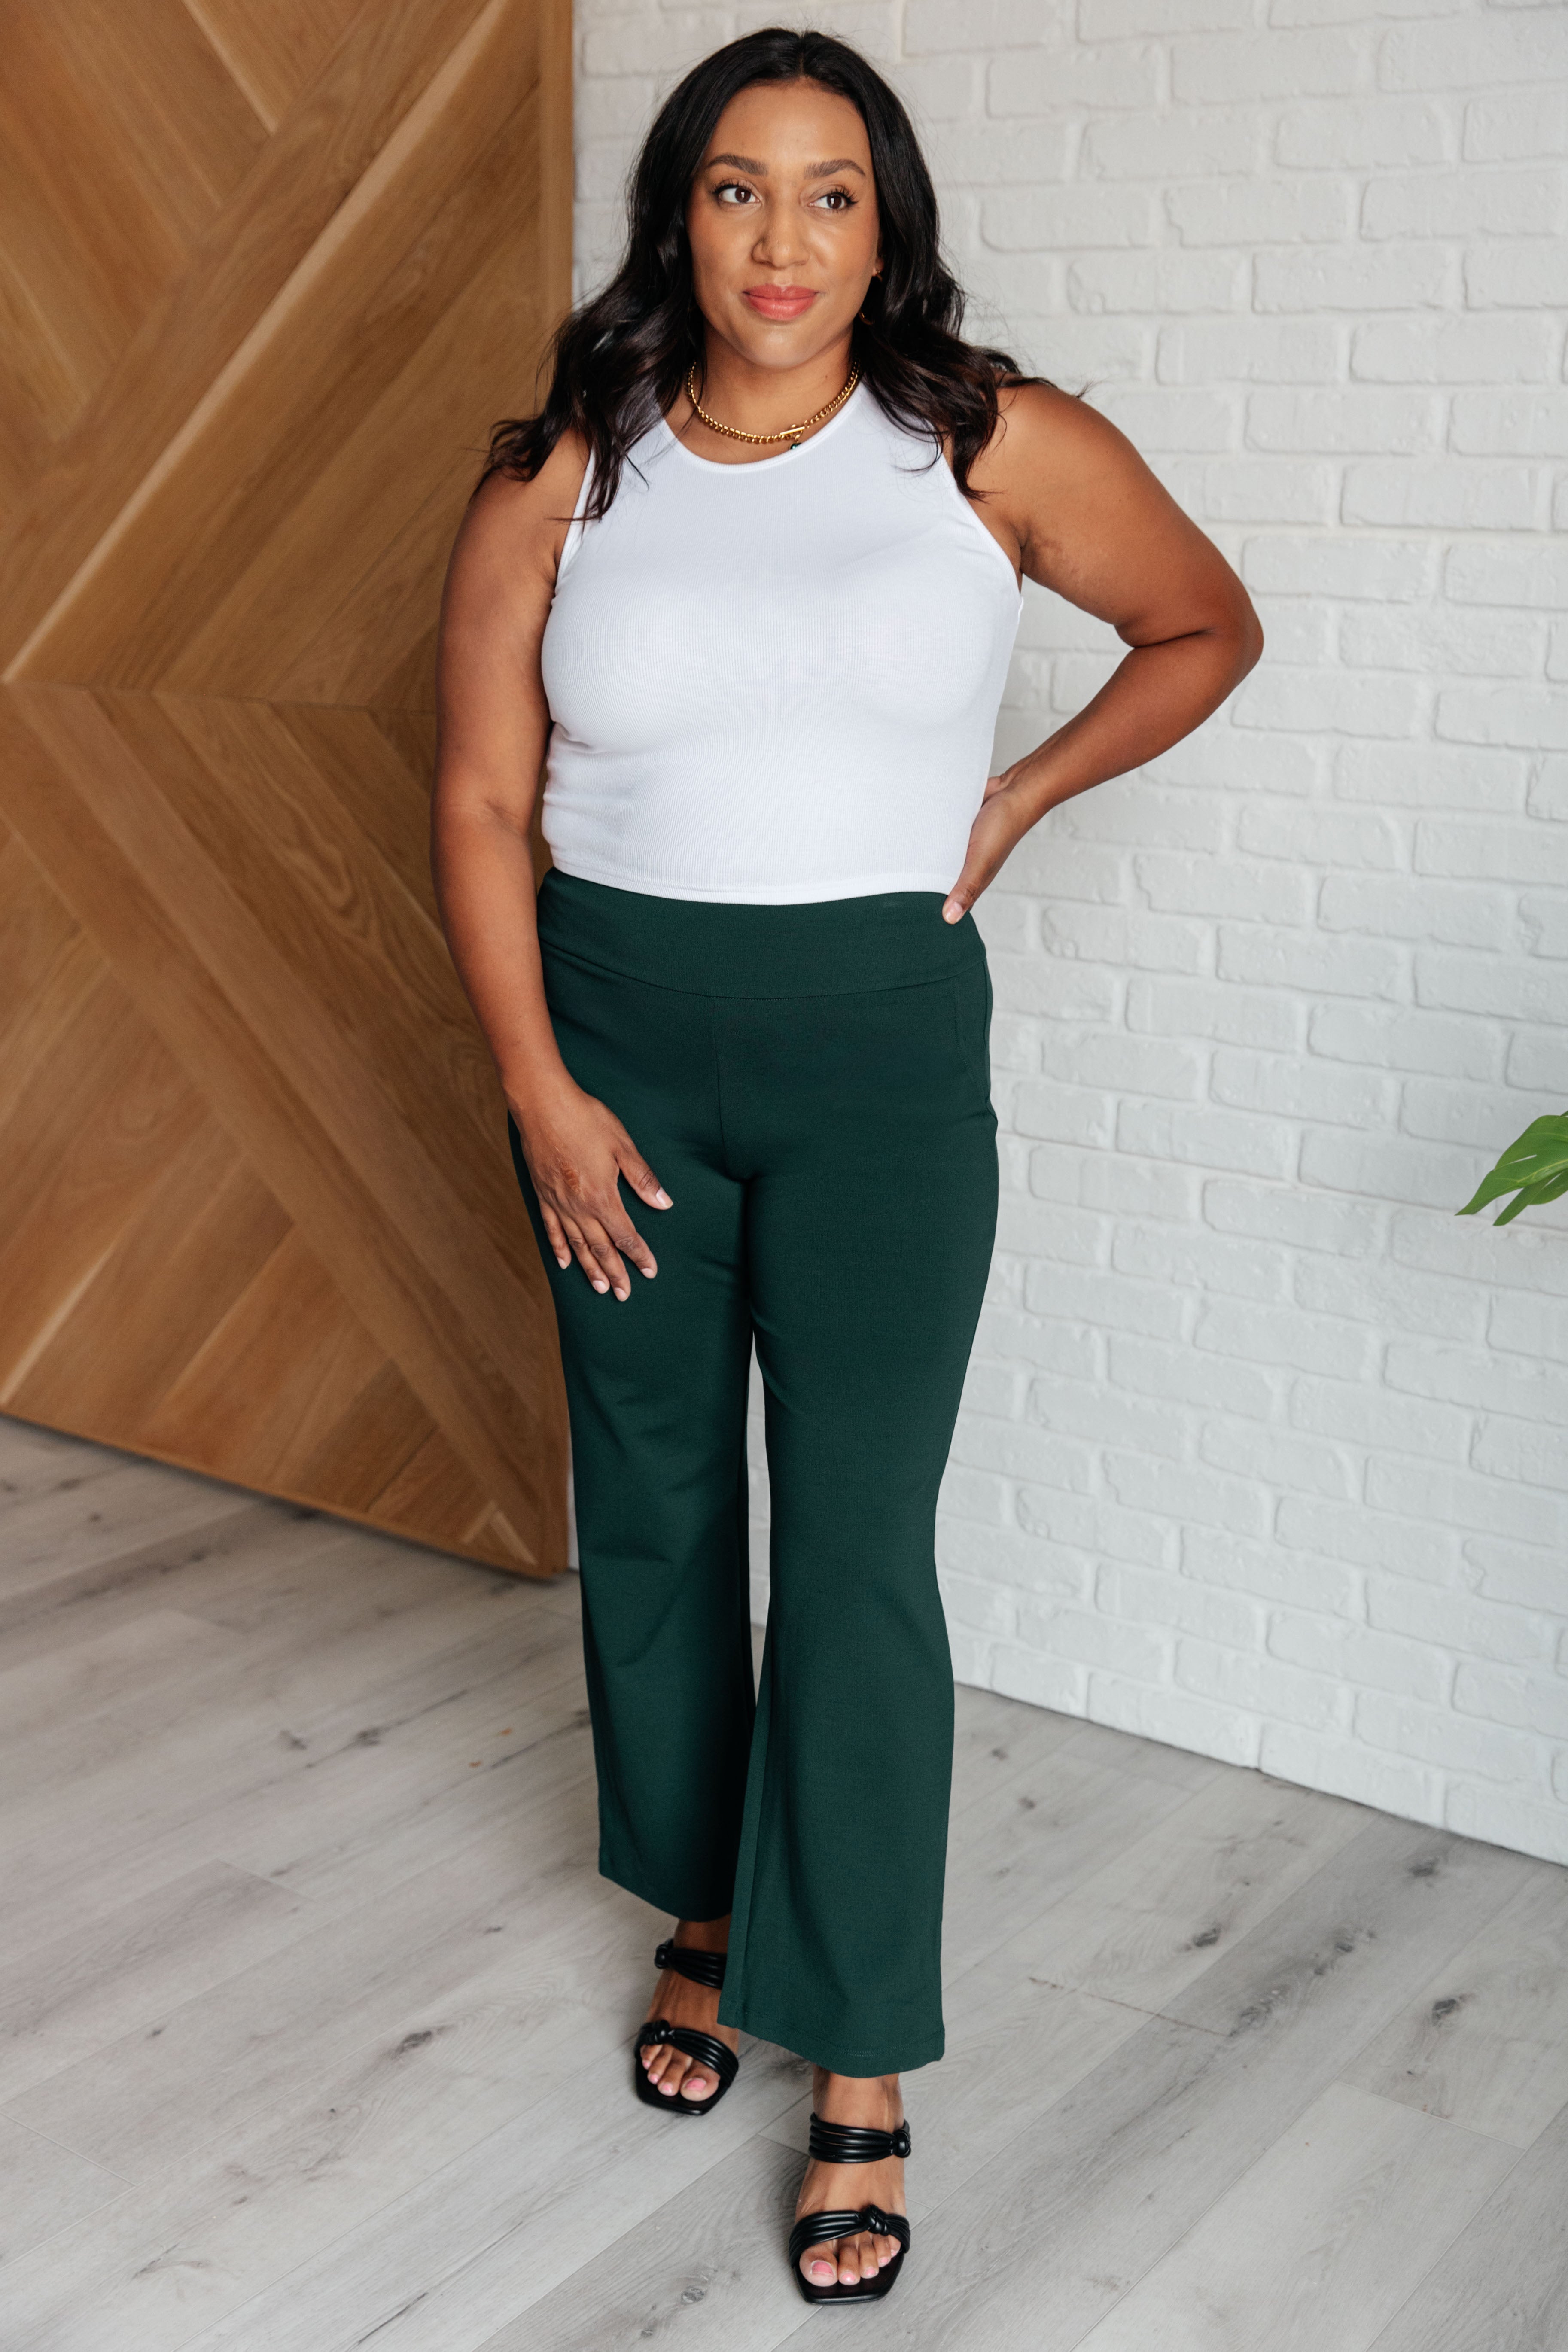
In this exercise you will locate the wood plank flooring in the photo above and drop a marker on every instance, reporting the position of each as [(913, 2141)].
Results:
[(313, 2009)]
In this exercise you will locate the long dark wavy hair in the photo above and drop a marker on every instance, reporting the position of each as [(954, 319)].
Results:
[(619, 362)]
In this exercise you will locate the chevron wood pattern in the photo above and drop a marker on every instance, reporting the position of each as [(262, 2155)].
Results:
[(268, 271)]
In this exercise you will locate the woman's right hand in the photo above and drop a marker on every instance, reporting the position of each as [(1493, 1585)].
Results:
[(576, 1151)]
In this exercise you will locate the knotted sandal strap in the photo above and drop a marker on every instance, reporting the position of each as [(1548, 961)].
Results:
[(851, 2144), (814, 2228), (705, 2050), (854, 2144), (699, 1968)]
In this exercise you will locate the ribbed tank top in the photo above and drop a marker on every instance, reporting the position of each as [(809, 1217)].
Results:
[(778, 681)]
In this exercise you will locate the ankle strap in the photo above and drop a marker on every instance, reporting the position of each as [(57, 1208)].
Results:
[(699, 1968), (855, 2143)]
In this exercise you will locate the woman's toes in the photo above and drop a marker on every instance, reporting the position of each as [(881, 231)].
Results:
[(847, 2261), (671, 2080), (697, 2084)]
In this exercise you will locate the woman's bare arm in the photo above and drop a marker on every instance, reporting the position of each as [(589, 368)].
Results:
[(493, 722), (1089, 519)]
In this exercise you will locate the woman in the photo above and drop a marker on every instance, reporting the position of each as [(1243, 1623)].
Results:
[(748, 587)]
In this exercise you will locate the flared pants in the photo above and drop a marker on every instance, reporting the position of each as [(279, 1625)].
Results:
[(810, 1083)]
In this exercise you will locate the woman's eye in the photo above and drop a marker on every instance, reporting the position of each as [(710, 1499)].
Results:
[(839, 199)]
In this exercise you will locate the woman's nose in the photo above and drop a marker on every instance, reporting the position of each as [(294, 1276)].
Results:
[(779, 240)]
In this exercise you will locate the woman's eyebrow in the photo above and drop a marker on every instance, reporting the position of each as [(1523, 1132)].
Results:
[(813, 171)]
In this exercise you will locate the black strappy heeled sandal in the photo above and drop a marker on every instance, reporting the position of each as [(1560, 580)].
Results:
[(705, 2049), (850, 2143)]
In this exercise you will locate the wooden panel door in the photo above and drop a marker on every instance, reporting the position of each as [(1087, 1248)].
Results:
[(268, 271)]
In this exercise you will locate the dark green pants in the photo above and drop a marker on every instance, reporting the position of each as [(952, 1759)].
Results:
[(810, 1083)]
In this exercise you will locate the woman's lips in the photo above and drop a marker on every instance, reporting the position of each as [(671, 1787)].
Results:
[(781, 301)]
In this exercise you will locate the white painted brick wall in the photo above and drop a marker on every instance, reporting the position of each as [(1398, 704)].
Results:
[(1263, 1452)]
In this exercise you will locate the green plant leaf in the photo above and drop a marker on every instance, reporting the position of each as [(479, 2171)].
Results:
[(1535, 1166)]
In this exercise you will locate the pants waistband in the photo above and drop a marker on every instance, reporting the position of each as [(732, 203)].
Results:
[(826, 947)]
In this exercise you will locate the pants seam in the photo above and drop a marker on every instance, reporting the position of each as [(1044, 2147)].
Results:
[(839, 2058), (762, 996)]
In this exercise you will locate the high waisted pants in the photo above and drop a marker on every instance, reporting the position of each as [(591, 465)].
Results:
[(810, 1084)]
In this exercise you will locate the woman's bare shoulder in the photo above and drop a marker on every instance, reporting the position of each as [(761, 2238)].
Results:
[(1093, 519), (522, 525), (1044, 435)]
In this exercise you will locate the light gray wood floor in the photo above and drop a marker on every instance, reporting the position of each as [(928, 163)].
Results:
[(316, 2013)]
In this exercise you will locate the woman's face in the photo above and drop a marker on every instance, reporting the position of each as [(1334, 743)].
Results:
[(783, 223)]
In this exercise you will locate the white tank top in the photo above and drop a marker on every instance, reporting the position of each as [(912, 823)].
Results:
[(776, 681)]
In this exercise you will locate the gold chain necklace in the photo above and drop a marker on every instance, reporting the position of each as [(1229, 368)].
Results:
[(792, 433)]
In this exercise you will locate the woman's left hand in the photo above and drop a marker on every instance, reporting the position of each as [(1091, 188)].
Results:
[(1002, 820)]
